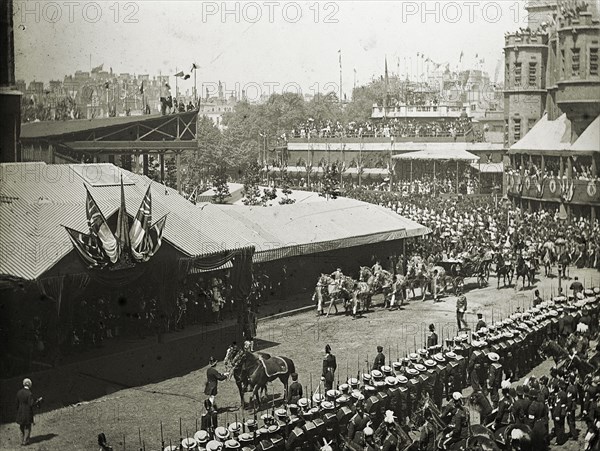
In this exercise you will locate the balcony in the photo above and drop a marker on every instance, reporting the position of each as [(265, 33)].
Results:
[(580, 192)]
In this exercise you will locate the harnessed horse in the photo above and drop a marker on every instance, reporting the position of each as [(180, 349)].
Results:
[(252, 372), (548, 259), (504, 268), (525, 270)]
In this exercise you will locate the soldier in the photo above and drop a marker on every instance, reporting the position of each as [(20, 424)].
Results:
[(379, 359), (432, 339), (481, 324), (494, 378), (570, 409), (537, 420), (294, 390), (558, 416), (521, 405), (388, 433), (459, 423), (329, 367), (358, 422), (475, 368), (428, 433), (503, 417)]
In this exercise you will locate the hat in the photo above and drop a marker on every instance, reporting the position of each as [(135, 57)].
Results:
[(221, 433), (439, 357), (201, 437), (342, 400), (317, 398), (250, 424), (358, 395), (422, 352), (327, 405), (232, 444), (267, 418), (505, 385), (420, 368), (353, 381), (391, 381), (366, 377), (214, 445), (457, 395), (344, 388), (413, 356), (212, 361), (376, 374), (303, 403), (386, 369), (281, 413), (235, 427), (188, 443), (274, 428), (429, 363), (397, 365), (368, 431), (451, 355), (389, 416), (27, 382), (246, 438), (402, 379), (493, 357)]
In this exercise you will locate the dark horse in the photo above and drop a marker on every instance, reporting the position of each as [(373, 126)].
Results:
[(504, 268), (252, 372), (562, 358), (525, 270)]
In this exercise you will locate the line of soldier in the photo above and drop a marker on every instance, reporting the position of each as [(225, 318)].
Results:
[(377, 409)]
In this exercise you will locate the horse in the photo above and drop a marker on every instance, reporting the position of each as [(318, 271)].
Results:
[(366, 282), (525, 270), (562, 357), (332, 293), (253, 371), (481, 404), (548, 259), (504, 269), (384, 281)]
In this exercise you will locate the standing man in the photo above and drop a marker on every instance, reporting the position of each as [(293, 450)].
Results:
[(25, 404), (432, 338), (537, 300), (480, 322), (212, 379), (295, 390), (461, 309), (329, 367), (379, 359)]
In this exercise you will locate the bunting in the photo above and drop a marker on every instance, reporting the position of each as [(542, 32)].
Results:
[(99, 228), (88, 248), (122, 234), (140, 226), (154, 238)]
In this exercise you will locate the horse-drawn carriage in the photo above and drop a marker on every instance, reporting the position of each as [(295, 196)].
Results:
[(457, 270)]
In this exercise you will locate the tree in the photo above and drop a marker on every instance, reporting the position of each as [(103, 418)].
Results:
[(331, 183), (219, 183), (285, 188), (251, 178)]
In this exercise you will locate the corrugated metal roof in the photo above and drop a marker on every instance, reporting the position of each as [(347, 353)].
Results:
[(46, 129), (45, 197), (438, 154)]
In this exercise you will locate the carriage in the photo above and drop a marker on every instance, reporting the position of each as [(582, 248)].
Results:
[(457, 270)]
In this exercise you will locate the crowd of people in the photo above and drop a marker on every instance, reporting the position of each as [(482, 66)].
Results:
[(581, 169), (420, 399), (385, 128)]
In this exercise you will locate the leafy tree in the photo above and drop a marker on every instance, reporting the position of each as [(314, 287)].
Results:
[(268, 195), (251, 179), (285, 188), (219, 183), (331, 183)]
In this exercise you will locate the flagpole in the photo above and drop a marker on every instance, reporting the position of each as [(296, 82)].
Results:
[(195, 88), (176, 84), (340, 52)]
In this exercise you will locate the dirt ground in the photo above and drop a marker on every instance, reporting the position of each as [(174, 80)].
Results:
[(127, 415)]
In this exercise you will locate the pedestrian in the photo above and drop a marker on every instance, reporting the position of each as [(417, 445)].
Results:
[(212, 379), (209, 420), (461, 308), (379, 359), (480, 322), (329, 367), (537, 300), (295, 390), (26, 402), (432, 339)]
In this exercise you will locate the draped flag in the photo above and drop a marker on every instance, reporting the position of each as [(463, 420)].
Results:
[(99, 228), (140, 226), (97, 69), (122, 233), (154, 238), (87, 247), (179, 74)]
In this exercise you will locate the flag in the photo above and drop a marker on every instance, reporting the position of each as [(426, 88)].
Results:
[(88, 248), (194, 66), (99, 228), (140, 226), (179, 74), (95, 70), (461, 56), (186, 77), (142, 88), (154, 238), (340, 57), (122, 234)]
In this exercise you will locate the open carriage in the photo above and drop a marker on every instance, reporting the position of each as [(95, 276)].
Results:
[(457, 270)]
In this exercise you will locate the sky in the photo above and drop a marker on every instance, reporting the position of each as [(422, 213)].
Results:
[(264, 47)]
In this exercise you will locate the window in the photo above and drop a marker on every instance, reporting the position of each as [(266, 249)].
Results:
[(518, 81), (563, 61), (532, 74), (507, 73), (594, 61), (516, 129), (575, 62)]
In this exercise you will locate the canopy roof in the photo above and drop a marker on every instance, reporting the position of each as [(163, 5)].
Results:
[(36, 200), (589, 141), (452, 154), (306, 228), (545, 137), (488, 168)]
